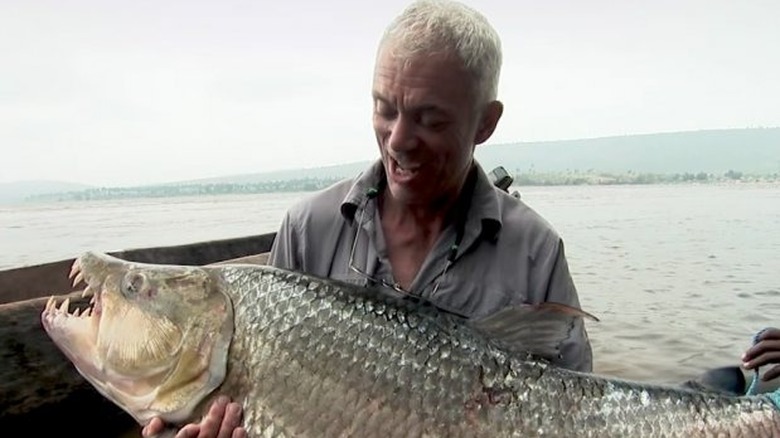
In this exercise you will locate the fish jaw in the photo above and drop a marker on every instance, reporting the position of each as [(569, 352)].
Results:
[(155, 339), (75, 334)]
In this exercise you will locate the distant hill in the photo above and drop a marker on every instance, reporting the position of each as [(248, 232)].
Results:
[(751, 151), (19, 191), (744, 151), (326, 172)]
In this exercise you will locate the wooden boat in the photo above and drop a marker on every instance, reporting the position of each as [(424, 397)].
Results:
[(41, 393)]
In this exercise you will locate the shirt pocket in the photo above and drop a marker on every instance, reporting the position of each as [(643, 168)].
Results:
[(470, 294)]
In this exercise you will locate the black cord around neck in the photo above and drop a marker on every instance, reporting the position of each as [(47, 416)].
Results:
[(461, 209)]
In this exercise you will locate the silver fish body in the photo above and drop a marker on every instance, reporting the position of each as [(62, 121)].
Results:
[(313, 357), (326, 360)]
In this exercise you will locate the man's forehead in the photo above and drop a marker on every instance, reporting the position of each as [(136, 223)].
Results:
[(431, 81), (420, 105)]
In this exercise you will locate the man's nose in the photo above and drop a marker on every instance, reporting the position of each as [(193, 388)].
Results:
[(402, 135)]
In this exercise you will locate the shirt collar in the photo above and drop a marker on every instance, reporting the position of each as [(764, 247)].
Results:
[(370, 180)]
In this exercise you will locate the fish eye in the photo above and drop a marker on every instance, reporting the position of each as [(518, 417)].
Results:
[(132, 284)]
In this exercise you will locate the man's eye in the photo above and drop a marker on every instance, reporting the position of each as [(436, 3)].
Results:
[(384, 111), (433, 122)]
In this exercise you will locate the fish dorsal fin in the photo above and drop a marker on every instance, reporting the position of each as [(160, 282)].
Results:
[(536, 329)]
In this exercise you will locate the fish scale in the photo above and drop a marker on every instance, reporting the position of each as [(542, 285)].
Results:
[(398, 378), (312, 357)]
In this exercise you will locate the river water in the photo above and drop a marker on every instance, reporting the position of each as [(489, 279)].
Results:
[(681, 276)]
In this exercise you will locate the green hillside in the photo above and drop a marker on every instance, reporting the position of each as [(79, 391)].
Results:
[(752, 151)]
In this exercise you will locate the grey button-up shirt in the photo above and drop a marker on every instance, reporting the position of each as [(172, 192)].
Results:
[(508, 254)]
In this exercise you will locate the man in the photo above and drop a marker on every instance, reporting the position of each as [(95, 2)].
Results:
[(424, 220)]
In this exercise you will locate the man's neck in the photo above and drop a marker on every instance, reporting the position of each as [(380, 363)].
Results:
[(429, 217), (412, 230), (410, 234)]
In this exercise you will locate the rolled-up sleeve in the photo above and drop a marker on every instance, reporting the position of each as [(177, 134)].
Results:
[(576, 351), (284, 249)]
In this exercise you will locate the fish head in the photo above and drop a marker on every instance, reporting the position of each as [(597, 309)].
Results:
[(155, 338)]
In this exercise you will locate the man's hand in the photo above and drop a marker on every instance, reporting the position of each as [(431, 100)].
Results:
[(223, 420), (766, 351)]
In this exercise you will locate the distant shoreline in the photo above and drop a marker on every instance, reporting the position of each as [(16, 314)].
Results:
[(312, 184)]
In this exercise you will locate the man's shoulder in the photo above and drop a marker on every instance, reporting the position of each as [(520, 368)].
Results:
[(321, 205), (520, 220)]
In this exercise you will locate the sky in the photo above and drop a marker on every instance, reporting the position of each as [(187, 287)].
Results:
[(118, 93)]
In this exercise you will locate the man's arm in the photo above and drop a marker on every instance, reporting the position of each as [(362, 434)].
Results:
[(576, 352), (284, 248)]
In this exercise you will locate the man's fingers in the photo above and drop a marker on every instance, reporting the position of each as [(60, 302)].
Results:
[(210, 424), (221, 421), (189, 431), (763, 348), (773, 373), (763, 359), (154, 427), (772, 333), (231, 420)]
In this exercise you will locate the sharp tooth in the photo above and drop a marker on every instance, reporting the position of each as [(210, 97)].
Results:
[(77, 312), (93, 300), (50, 304), (64, 305), (75, 268), (79, 278), (87, 290), (87, 313)]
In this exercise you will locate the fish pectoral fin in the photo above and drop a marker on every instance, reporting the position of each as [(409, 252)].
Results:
[(727, 380), (538, 329)]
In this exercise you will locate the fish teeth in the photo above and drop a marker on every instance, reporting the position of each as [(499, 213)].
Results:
[(78, 278), (75, 268), (64, 306), (87, 290), (51, 304)]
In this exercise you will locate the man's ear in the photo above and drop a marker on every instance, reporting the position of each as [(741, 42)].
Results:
[(489, 121)]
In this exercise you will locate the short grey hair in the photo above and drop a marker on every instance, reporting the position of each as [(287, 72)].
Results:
[(429, 26)]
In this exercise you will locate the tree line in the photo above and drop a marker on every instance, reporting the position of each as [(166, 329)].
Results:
[(521, 178)]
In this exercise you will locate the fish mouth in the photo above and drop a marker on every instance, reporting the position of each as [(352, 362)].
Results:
[(54, 314), (76, 332)]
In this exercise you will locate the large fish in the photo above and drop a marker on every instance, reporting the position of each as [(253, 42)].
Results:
[(314, 357)]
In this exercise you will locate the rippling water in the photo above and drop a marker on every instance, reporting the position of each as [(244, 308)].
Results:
[(680, 276)]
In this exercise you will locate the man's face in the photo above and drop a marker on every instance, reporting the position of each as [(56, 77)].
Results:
[(425, 120)]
